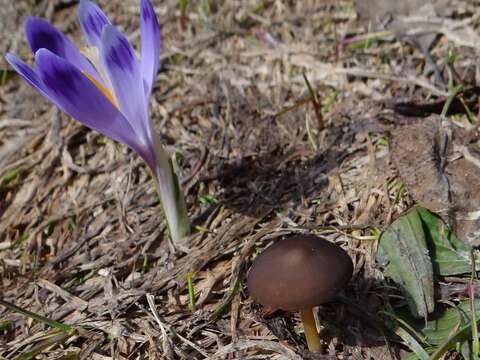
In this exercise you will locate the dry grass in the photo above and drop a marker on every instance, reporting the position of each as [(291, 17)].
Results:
[(82, 236)]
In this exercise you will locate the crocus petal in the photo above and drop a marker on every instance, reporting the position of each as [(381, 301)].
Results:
[(119, 62), (40, 34), (78, 96), (92, 21), (150, 44), (28, 74)]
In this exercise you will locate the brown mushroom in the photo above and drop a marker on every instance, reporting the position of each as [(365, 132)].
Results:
[(300, 273)]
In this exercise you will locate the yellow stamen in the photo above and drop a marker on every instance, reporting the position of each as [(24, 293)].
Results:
[(102, 88)]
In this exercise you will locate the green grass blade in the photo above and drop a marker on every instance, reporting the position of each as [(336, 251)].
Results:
[(43, 319), (191, 292), (452, 96), (471, 293), (53, 339)]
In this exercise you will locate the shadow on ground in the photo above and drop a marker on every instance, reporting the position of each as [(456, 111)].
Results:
[(252, 184)]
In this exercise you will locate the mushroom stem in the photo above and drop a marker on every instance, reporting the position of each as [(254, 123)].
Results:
[(310, 328)]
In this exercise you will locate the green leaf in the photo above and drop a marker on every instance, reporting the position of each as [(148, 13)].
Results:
[(449, 329), (409, 336), (466, 350), (446, 324), (450, 256), (404, 253), (412, 343), (460, 334)]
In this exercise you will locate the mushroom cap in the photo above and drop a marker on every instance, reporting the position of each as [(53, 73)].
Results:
[(299, 272)]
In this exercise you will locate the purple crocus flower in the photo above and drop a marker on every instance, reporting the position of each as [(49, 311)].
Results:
[(107, 88)]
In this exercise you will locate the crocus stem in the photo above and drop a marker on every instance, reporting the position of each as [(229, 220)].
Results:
[(310, 328), (171, 196)]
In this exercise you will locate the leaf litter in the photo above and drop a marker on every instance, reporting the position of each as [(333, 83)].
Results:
[(82, 239)]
